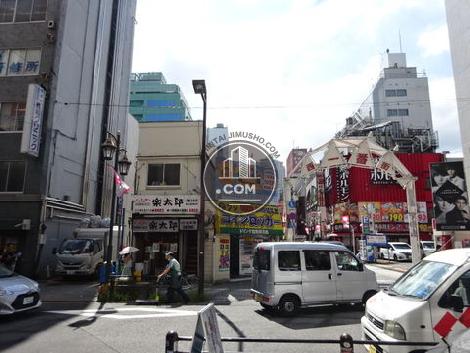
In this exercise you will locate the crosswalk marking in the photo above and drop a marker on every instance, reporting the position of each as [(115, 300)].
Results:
[(126, 313)]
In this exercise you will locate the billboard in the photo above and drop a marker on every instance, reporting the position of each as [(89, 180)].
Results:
[(450, 196)]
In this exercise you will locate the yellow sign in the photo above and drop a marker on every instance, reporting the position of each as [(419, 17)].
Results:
[(268, 221)]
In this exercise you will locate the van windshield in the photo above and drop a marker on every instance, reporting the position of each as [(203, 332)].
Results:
[(262, 259), (423, 279), (75, 246)]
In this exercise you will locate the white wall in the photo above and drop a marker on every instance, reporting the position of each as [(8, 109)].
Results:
[(170, 142), (458, 15)]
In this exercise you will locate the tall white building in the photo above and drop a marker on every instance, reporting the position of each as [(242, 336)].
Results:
[(458, 14), (398, 110)]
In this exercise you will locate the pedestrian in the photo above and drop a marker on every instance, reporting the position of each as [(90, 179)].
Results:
[(174, 269), (127, 265)]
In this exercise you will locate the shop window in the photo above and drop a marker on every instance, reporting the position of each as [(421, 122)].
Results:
[(22, 10), (289, 261), (317, 260), (163, 174), (19, 62), (12, 116), (12, 175), (346, 262)]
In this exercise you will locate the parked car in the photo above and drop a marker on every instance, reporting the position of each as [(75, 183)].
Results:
[(17, 293), (396, 251), (427, 247), (287, 276), (429, 303)]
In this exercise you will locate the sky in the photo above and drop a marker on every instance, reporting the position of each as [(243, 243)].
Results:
[(292, 71)]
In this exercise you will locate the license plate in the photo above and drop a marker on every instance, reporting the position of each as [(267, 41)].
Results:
[(28, 300), (258, 298), (70, 272), (372, 349)]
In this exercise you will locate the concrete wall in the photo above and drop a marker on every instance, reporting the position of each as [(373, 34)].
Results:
[(417, 93), (170, 142), (458, 13)]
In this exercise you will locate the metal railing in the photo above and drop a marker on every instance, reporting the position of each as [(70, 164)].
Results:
[(345, 342)]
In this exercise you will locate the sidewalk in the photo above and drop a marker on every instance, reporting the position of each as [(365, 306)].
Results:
[(391, 265), (70, 291)]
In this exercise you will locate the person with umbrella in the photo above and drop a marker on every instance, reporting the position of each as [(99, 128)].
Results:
[(127, 259), (174, 269)]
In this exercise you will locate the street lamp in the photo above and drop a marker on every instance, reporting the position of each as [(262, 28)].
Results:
[(109, 146), (200, 88)]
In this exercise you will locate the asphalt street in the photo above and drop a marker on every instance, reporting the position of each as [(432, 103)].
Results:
[(81, 326)]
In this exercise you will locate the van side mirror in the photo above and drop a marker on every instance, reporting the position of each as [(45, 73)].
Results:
[(456, 303), (54, 251)]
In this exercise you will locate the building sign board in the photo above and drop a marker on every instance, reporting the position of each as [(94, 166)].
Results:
[(268, 221), (31, 137), (188, 224), (166, 204), (155, 225)]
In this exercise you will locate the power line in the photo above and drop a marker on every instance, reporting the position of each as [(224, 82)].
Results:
[(248, 107)]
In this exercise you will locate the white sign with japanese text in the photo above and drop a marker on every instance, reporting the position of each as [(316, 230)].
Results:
[(166, 204), (188, 224), (155, 225)]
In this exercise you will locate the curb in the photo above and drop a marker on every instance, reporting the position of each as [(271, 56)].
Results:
[(386, 267)]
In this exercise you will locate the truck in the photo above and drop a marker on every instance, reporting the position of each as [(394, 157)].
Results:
[(83, 254)]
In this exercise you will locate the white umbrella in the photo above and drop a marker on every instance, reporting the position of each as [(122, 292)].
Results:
[(128, 250)]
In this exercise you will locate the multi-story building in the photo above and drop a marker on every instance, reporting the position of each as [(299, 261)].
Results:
[(153, 99), (293, 159), (166, 210), (371, 199), (64, 68), (398, 111), (459, 32)]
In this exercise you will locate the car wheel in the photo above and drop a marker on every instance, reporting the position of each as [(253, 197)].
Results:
[(289, 305), (367, 295)]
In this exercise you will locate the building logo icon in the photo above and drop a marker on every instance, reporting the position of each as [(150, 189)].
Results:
[(240, 178), (239, 165)]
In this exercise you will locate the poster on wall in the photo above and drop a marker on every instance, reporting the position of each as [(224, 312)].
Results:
[(391, 212), (224, 253), (450, 197)]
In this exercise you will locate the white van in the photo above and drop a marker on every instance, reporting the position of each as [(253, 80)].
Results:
[(426, 304), (287, 276)]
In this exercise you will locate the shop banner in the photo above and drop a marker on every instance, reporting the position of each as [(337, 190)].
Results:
[(166, 204), (393, 212), (450, 197), (266, 222), (155, 225), (224, 253), (188, 224)]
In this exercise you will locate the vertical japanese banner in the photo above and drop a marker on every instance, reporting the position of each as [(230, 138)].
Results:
[(223, 254)]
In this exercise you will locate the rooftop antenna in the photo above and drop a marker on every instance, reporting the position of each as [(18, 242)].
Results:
[(399, 39)]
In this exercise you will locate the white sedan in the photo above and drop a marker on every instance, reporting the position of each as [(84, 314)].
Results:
[(17, 293)]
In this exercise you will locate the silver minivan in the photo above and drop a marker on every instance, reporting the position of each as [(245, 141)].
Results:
[(287, 276)]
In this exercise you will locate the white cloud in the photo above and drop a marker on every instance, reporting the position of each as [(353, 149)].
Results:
[(434, 41), (292, 75)]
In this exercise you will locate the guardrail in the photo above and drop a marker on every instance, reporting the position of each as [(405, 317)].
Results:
[(346, 342)]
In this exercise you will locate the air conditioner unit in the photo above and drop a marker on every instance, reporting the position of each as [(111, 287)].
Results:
[(51, 24)]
